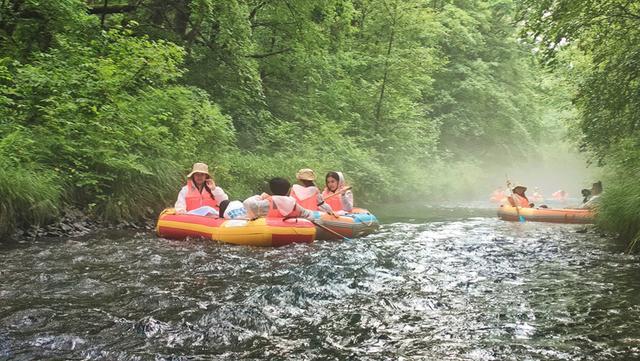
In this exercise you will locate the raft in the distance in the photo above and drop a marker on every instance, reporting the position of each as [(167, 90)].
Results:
[(572, 216)]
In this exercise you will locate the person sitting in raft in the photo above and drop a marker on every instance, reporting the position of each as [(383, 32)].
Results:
[(518, 198), (586, 193), (594, 200), (277, 205), (200, 196), (336, 194), (232, 210), (307, 194)]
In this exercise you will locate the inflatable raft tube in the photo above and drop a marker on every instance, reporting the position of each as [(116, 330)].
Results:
[(565, 215), (262, 232), (350, 225)]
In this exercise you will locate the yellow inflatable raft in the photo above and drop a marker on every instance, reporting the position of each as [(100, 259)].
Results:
[(575, 216), (264, 232)]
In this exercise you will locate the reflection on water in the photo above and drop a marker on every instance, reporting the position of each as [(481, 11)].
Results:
[(468, 289)]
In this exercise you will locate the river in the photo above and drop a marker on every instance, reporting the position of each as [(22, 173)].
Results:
[(444, 284)]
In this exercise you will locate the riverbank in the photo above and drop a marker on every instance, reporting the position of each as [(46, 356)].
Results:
[(241, 175), (74, 223)]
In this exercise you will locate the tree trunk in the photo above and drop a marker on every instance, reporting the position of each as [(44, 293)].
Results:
[(378, 116), (181, 22)]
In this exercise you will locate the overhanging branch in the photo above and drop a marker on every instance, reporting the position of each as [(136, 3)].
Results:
[(113, 9), (258, 56)]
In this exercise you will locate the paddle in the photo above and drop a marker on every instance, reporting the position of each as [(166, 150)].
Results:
[(331, 231), (335, 194), (520, 217)]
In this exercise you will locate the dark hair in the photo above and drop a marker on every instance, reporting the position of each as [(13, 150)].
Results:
[(279, 186), (307, 183), (585, 192), (206, 187), (333, 175), (223, 207)]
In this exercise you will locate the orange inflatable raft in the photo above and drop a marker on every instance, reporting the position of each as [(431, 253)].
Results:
[(260, 232), (565, 215), (356, 224)]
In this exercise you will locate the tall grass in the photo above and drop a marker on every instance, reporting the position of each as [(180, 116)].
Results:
[(136, 196), (28, 197), (620, 208)]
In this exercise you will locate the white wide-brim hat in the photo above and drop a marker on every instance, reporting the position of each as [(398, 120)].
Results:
[(199, 168)]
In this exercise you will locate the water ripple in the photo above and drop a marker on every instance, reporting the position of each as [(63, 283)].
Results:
[(474, 289)]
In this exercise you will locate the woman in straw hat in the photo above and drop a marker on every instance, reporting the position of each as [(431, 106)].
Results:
[(307, 194), (200, 196)]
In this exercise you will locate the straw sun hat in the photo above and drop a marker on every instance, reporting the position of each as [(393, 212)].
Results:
[(199, 168), (306, 174), (519, 186)]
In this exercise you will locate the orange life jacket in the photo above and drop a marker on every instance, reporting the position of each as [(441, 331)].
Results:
[(196, 199), (310, 203), (335, 201), (275, 213), (518, 200)]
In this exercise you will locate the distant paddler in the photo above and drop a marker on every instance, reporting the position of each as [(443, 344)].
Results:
[(518, 197), (560, 195), (536, 197), (594, 196), (498, 195)]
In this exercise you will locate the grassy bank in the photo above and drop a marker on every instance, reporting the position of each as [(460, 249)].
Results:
[(620, 208)]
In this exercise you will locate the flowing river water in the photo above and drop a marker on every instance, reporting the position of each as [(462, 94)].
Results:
[(447, 284)]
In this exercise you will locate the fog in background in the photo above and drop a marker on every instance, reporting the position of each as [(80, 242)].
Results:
[(553, 167), (558, 167)]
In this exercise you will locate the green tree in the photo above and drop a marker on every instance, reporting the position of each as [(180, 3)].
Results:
[(595, 45), (606, 73), (486, 97)]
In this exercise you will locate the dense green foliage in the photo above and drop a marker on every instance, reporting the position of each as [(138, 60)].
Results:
[(104, 105), (596, 46), (489, 92), (620, 210)]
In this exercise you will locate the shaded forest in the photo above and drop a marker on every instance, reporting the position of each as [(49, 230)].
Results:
[(104, 105)]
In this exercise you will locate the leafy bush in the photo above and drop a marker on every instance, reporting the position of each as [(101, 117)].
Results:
[(107, 120)]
